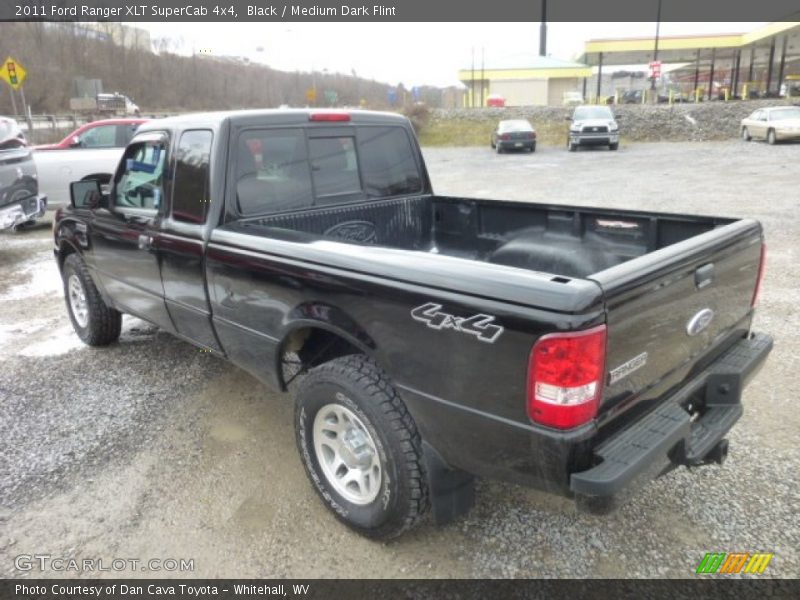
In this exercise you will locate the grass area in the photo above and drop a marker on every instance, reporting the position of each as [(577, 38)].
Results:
[(462, 132)]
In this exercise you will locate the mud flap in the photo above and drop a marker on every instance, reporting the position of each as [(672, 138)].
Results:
[(452, 491)]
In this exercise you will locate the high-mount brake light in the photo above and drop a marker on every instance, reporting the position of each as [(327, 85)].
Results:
[(566, 372), (329, 117)]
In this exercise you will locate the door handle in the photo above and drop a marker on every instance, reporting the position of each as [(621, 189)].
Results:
[(704, 276), (145, 242)]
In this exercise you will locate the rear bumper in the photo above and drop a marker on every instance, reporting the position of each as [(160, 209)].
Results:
[(516, 144), (670, 436), (22, 211)]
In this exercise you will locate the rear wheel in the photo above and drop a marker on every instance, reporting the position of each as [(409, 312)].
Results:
[(360, 447), (533, 148), (499, 149), (95, 322), (571, 146), (746, 134), (771, 138), (613, 146)]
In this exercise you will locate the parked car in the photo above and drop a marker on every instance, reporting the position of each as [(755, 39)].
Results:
[(572, 98), (427, 339), (631, 97), (515, 134), (593, 126), (496, 101), (106, 133), (91, 151), (774, 124), (20, 201)]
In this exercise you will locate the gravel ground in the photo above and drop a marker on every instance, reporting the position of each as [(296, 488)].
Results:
[(152, 449)]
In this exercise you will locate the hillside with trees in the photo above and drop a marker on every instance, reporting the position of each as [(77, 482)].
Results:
[(159, 80)]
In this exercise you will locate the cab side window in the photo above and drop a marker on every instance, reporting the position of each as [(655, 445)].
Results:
[(190, 199), (140, 184), (104, 136)]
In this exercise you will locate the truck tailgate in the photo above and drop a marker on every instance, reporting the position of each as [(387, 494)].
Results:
[(673, 310)]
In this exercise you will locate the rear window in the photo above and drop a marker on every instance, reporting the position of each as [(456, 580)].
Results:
[(388, 162), (292, 169), (272, 171)]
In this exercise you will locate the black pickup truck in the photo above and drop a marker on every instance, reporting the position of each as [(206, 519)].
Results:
[(427, 339)]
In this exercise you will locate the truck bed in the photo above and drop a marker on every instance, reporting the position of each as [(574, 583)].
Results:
[(567, 242)]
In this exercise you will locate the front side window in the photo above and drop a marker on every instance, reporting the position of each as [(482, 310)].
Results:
[(140, 184), (190, 199)]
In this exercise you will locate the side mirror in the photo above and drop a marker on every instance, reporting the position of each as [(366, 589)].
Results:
[(87, 194), (75, 142)]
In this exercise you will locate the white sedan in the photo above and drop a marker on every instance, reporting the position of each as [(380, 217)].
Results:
[(773, 124)]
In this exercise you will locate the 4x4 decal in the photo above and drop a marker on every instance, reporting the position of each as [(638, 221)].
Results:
[(481, 326)]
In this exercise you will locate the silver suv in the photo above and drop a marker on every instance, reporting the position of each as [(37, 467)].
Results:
[(593, 126)]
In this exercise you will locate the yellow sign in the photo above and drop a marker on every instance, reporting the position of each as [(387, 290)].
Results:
[(311, 95), (12, 73)]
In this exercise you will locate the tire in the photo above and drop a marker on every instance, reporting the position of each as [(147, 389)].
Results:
[(533, 148), (491, 143), (354, 391), (499, 149), (571, 147), (771, 138), (746, 134), (613, 146), (95, 322)]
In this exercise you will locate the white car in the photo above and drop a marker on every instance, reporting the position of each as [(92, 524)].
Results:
[(92, 151), (774, 124)]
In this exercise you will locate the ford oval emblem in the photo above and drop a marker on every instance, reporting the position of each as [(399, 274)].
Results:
[(700, 321)]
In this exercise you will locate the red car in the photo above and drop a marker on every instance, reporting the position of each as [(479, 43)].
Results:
[(107, 133)]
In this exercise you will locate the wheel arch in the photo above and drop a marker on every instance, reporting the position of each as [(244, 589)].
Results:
[(321, 338)]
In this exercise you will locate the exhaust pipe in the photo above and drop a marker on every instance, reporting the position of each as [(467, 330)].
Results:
[(718, 453)]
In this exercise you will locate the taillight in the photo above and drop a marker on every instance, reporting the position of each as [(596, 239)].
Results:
[(532, 135), (761, 265), (505, 136), (337, 116), (565, 377)]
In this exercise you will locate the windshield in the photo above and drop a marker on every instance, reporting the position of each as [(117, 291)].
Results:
[(592, 112), (785, 113), (520, 125)]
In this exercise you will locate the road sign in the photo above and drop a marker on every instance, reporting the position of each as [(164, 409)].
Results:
[(311, 95), (655, 69), (12, 73)]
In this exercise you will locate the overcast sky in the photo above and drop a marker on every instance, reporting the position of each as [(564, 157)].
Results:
[(411, 53)]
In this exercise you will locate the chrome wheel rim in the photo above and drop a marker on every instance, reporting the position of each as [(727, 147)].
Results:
[(77, 301), (347, 454)]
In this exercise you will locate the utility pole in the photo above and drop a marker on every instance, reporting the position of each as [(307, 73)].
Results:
[(655, 51), (482, 74), (543, 30), (472, 82)]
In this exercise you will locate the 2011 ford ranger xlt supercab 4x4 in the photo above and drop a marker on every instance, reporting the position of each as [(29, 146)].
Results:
[(427, 339)]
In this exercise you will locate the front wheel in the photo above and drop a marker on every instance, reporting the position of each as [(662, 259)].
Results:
[(771, 138), (613, 146), (93, 320), (360, 447), (746, 134)]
